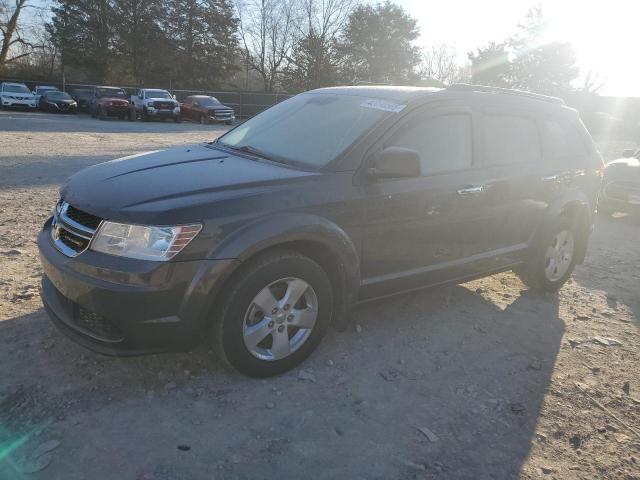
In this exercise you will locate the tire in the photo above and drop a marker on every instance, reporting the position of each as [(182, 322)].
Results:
[(277, 272), (177, 119), (132, 116), (204, 120), (229, 122), (92, 112), (102, 115), (553, 257)]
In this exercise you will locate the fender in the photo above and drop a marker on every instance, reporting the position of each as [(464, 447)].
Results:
[(264, 233), (279, 228)]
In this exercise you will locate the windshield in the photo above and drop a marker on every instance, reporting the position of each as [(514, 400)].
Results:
[(208, 101), (16, 89), (310, 129), (58, 95), (157, 94), (41, 90), (111, 92)]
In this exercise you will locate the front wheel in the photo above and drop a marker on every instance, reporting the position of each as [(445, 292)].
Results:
[(553, 259), (273, 313)]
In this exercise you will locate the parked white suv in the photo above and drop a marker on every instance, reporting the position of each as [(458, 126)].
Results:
[(16, 95), (152, 103)]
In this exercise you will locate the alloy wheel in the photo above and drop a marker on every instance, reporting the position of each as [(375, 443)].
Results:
[(559, 256), (280, 319)]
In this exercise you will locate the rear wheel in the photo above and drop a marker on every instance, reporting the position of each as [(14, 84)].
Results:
[(553, 259), (273, 314)]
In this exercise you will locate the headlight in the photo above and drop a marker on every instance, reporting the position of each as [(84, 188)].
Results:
[(143, 242)]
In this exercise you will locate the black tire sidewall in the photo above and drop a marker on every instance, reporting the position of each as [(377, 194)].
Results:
[(243, 290)]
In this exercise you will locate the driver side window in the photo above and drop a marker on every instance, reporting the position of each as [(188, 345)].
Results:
[(444, 142)]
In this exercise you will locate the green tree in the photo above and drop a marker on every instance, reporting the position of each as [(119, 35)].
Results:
[(82, 31), (527, 60), (377, 45), (539, 65), (140, 44), (490, 65), (204, 41)]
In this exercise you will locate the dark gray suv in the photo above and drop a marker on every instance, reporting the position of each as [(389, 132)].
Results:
[(257, 242)]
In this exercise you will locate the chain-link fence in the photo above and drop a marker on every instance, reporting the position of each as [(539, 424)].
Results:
[(245, 104)]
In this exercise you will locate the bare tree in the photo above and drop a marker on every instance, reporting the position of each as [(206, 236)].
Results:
[(593, 82), (11, 35), (439, 62), (268, 33)]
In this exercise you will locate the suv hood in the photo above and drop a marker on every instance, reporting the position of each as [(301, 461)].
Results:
[(165, 187)]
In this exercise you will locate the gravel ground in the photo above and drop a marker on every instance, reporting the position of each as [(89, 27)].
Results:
[(481, 380)]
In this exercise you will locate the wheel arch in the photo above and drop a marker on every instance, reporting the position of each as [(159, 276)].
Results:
[(315, 237), (577, 209)]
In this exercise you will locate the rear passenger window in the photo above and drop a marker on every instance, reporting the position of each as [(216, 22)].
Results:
[(444, 142), (510, 139), (561, 140)]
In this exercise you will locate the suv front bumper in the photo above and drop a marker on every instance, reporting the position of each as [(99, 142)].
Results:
[(9, 102), (122, 306)]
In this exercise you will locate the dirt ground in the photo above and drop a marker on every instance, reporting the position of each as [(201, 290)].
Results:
[(479, 381)]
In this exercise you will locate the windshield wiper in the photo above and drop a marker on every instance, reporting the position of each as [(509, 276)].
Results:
[(252, 151)]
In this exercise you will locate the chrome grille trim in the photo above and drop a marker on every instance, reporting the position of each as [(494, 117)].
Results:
[(62, 223)]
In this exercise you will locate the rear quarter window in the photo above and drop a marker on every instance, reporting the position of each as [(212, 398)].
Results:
[(510, 139)]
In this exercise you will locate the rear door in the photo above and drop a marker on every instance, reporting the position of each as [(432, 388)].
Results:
[(428, 229), (513, 169)]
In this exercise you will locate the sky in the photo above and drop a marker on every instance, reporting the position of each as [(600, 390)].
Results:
[(605, 34)]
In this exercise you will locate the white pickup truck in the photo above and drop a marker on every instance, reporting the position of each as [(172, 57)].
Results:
[(150, 103)]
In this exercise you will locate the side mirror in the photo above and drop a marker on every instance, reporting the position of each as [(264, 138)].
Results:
[(394, 162), (628, 153)]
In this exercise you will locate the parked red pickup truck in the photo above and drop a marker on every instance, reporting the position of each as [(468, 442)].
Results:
[(110, 102)]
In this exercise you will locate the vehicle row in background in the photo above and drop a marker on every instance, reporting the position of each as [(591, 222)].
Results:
[(104, 101), (621, 185)]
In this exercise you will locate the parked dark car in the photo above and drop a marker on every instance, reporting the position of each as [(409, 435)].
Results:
[(258, 241), (56, 101), (110, 102), (621, 185), (206, 109), (83, 97)]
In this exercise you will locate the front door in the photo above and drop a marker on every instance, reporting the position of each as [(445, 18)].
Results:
[(427, 229)]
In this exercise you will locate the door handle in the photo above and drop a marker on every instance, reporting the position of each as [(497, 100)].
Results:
[(471, 190)]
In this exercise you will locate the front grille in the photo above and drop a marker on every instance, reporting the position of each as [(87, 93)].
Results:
[(83, 218), (163, 105), (73, 241), (95, 324), (223, 113), (72, 229)]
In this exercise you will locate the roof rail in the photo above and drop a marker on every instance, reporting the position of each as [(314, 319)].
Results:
[(466, 87)]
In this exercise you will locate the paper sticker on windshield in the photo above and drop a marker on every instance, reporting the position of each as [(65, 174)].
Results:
[(383, 105)]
